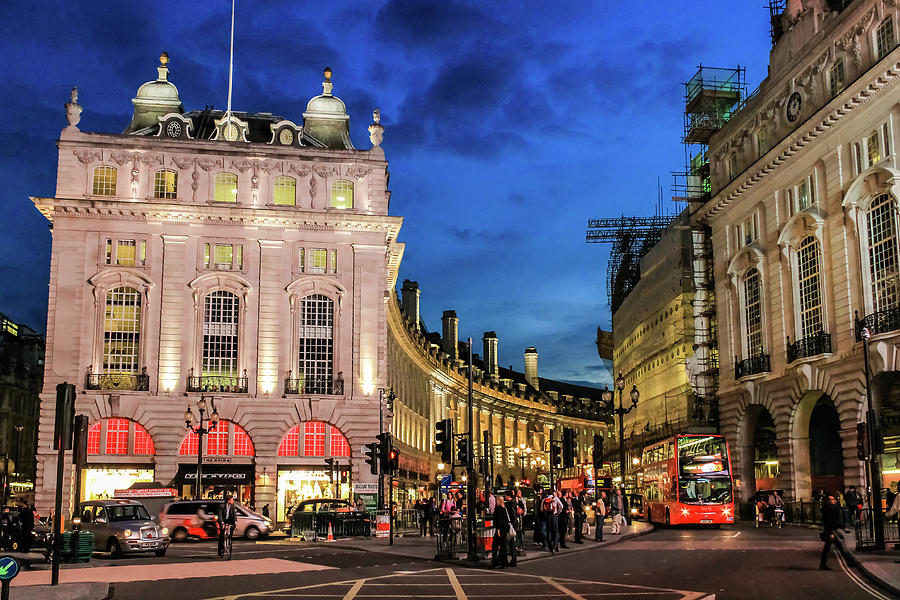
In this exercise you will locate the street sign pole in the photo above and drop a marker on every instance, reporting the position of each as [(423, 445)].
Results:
[(9, 568), (470, 469), (67, 392)]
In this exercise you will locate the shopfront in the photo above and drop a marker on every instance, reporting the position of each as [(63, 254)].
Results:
[(218, 480), (101, 483), (120, 454), (228, 455), (296, 483)]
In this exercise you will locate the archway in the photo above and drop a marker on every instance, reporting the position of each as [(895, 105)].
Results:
[(889, 415), (765, 452), (826, 462)]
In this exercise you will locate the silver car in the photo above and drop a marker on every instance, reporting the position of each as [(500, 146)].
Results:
[(194, 518), (123, 526)]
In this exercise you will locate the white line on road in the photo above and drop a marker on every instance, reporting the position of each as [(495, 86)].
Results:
[(351, 594), (460, 594), (858, 581), (563, 589)]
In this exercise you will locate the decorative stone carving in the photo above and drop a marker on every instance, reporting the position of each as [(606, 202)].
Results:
[(376, 129), (358, 172), (324, 172), (73, 109), (85, 156), (298, 169)]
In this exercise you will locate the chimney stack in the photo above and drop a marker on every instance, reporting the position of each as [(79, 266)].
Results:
[(410, 301), (450, 339), (491, 363), (531, 370)]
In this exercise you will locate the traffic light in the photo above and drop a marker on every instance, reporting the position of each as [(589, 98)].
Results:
[(462, 451), (484, 466), (372, 457), (393, 461), (555, 454), (330, 463), (597, 454), (568, 449), (65, 416), (862, 442), (79, 453), (442, 436), (384, 450)]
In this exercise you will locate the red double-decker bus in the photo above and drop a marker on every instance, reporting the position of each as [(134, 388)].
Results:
[(687, 479)]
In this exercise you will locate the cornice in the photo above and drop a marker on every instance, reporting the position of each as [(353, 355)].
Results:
[(823, 123)]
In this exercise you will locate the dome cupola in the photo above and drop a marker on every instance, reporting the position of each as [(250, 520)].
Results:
[(326, 118), (155, 99)]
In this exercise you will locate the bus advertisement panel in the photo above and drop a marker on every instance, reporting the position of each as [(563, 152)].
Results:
[(687, 479)]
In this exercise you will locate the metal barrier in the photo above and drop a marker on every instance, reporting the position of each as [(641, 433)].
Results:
[(343, 524), (803, 512), (865, 531), (452, 539), (406, 521)]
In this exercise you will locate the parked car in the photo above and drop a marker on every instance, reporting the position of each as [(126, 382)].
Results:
[(196, 518), (325, 505), (123, 526)]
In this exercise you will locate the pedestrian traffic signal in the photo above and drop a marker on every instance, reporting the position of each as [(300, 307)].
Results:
[(372, 457), (442, 436), (484, 466), (393, 461), (597, 454), (462, 451), (862, 442), (330, 463), (65, 416), (384, 449), (555, 454), (568, 449)]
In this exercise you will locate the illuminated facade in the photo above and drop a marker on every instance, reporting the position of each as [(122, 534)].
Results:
[(803, 218), (238, 257)]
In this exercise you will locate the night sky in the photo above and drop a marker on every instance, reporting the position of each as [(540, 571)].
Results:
[(508, 125)]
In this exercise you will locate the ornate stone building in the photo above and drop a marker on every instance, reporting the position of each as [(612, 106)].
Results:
[(803, 218), (236, 257)]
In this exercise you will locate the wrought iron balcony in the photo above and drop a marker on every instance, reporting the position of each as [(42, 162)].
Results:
[(819, 343), (218, 383), (314, 385), (881, 321), (751, 366), (118, 381)]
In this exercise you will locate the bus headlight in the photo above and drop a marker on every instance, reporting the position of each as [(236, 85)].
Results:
[(726, 512), (685, 512)]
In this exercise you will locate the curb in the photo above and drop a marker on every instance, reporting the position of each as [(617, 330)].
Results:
[(873, 579)]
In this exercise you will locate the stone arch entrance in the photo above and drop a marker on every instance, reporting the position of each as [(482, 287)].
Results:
[(889, 416), (817, 445), (758, 455)]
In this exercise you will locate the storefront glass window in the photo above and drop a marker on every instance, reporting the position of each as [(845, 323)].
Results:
[(117, 438), (217, 440), (100, 484), (143, 443), (243, 446), (216, 443), (304, 484)]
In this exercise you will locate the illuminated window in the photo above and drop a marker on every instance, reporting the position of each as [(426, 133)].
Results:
[(165, 184), (217, 440), (143, 443), (189, 445), (301, 260), (290, 443), (318, 258), (220, 334), (836, 78), (316, 343), (122, 330), (226, 187), (224, 257), (873, 149), (116, 436), (884, 38), (810, 287), (753, 313), (334, 261), (93, 444), (243, 445), (104, 181), (749, 233), (126, 252), (339, 445), (314, 438), (285, 192), (342, 194), (883, 259)]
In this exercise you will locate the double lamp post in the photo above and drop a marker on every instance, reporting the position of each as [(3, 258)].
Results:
[(205, 424), (621, 411)]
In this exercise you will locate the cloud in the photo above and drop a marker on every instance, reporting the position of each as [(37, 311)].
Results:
[(417, 24)]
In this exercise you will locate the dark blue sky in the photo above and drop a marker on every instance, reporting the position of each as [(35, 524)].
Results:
[(508, 125)]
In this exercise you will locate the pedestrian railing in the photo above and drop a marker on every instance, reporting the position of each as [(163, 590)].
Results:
[(865, 530), (803, 511), (343, 524), (451, 539), (407, 521)]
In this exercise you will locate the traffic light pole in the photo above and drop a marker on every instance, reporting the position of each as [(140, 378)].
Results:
[(470, 469), (380, 431)]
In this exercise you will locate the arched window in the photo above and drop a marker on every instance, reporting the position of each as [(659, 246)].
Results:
[(220, 335), (342, 194), (316, 338), (810, 287), (226, 187), (122, 331), (227, 439), (881, 223), (104, 181), (316, 439), (753, 313), (165, 184), (339, 444), (119, 436), (285, 191)]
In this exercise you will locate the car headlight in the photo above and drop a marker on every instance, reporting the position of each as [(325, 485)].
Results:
[(165, 531), (127, 533)]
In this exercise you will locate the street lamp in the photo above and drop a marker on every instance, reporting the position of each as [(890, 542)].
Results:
[(621, 411), (522, 454), (200, 429)]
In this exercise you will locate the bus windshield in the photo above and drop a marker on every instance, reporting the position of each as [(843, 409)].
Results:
[(703, 476)]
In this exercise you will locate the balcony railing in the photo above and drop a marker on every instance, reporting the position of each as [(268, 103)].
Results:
[(218, 383), (819, 343), (118, 381), (314, 385), (751, 366), (881, 321)]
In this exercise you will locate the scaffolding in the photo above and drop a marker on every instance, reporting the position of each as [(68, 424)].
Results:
[(631, 239)]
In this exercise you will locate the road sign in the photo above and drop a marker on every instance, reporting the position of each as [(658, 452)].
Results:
[(9, 568)]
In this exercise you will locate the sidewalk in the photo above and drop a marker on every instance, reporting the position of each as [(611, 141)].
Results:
[(425, 548), (881, 568)]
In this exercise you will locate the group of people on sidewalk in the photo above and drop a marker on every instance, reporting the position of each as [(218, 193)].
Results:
[(554, 512)]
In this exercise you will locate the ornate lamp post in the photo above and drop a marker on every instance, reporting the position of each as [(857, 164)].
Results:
[(523, 454), (621, 411), (200, 429)]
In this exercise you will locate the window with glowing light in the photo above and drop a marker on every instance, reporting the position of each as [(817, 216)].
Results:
[(810, 287), (120, 435), (104, 181), (284, 191), (314, 438), (290, 443), (165, 184), (122, 330), (339, 444), (342, 194), (93, 444), (881, 221), (226, 187)]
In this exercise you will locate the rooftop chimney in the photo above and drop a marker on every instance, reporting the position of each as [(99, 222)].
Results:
[(450, 339), (531, 370), (491, 364), (409, 301)]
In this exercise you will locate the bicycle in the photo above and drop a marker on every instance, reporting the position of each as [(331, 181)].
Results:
[(227, 543)]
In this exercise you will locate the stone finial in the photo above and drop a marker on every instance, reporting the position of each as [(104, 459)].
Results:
[(376, 129), (327, 85), (163, 68), (73, 109)]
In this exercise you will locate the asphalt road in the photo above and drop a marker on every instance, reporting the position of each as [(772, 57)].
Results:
[(678, 564)]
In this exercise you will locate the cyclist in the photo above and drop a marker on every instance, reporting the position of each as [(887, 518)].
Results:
[(227, 521)]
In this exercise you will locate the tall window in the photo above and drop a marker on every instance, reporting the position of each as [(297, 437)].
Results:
[(217, 440), (836, 77), (122, 330), (226, 187), (753, 313), (165, 184), (117, 436), (224, 257), (883, 267), (342, 194), (314, 438), (339, 445), (285, 192), (318, 258), (104, 181), (873, 148), (220, 334), (810, 287), (884, 38), (316, 353)]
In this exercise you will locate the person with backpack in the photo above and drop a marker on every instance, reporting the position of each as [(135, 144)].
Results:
[(552, 508)]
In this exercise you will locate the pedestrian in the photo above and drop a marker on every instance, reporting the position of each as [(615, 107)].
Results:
[(580, 514), (831, 522), (265, 511), (553, 506), (500, 556), (26, 523), (893, 508), (600, 511), (521, 511), (616, 509), (509, 502), (564, 517), (854, 503), (540, 520)]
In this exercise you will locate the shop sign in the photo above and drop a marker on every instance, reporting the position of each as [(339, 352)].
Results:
[(217, 460), (147, 492), (369, 500), (216, 475), (365, 488)]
